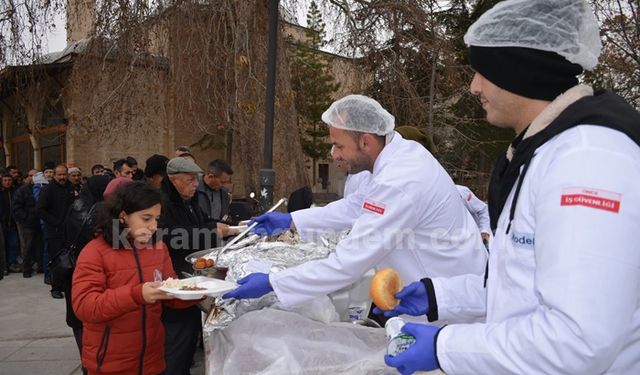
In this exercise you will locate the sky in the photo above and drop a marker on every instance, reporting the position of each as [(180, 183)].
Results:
[(57, 38)]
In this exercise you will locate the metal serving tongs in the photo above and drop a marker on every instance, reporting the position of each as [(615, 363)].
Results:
[(244, 232)]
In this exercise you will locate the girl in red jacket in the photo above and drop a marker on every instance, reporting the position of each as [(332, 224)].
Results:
[(114, 293)]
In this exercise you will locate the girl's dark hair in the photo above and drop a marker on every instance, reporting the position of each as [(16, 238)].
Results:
[(132, 197)]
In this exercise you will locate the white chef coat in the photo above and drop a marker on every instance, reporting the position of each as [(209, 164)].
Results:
[(411, 219), (335, 216), (562, 290), (355, 182), (477, 208)]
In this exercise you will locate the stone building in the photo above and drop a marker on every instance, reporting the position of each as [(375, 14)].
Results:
[(46, 117)]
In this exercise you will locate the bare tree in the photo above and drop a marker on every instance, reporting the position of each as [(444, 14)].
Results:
[(619, 63), (414, 49), (174, 67)]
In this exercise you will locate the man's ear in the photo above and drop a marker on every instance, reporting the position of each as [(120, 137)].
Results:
[(366, 140)]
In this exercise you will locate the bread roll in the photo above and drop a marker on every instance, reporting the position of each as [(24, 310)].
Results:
[(384, 285)]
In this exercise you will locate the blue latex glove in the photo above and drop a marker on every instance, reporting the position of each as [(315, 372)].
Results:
[(254, 285), (413, 301), (271, 223), (421, 356)]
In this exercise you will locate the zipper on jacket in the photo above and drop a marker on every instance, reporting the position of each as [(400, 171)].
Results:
[(104, 344), (144, 314)]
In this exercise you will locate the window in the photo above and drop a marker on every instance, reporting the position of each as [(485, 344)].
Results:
[(323, 175)]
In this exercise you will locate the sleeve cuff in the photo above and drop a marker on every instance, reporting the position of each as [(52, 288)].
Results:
[(435, 347), (136, 294), (432, 311)]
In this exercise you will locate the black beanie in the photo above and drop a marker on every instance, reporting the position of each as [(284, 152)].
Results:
[(528, 72), (49, 165)]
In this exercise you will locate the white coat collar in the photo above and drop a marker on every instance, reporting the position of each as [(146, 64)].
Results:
[(553, 110), (387, 152)]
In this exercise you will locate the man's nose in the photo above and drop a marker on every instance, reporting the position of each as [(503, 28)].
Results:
[(475, 85)]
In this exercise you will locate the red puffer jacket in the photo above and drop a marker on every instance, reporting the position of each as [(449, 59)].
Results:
[(121, 334)]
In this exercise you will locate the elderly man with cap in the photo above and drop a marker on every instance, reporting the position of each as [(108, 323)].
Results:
[(186, 229), (395, 223), (561, 291)]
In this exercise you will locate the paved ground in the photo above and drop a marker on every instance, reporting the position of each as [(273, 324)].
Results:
[(34, 338)]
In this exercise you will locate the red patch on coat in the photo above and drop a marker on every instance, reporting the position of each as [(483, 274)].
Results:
[(375, 207), (592, 198)]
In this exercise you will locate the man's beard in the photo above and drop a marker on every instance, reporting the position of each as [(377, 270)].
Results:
[(362, 162)]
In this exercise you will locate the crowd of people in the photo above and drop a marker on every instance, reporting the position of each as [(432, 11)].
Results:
[(59, 208)]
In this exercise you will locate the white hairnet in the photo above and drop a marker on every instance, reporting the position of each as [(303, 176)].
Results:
[(566, 27), (359, 113)]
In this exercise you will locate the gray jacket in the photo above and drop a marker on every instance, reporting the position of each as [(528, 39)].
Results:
[(205, 196)]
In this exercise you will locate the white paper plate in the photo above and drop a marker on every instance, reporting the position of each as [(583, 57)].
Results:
[(214, 288), (238, 227)]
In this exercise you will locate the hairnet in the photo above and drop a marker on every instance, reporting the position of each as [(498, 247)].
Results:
[(359, 113), (566, 27)]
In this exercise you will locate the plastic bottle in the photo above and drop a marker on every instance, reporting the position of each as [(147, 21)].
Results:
[(397, 341), (359, 298)]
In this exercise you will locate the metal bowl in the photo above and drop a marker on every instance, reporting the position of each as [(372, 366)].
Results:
[(214, 272), (191, 258)]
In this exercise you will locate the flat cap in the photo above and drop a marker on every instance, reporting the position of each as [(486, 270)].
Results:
[(182, 165)]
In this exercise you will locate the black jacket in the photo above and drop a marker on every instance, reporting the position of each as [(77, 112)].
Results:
[(24, 207), (81, 219), (186, 228), (6, 196), (52, 207)]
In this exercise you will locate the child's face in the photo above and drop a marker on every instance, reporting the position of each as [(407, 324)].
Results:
[(143, 224)]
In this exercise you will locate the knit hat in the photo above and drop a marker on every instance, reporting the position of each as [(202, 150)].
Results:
[(156, 164), (114, 184), (531, 73), (49, 165), (74, 170)]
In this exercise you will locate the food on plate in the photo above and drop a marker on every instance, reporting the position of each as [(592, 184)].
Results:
[(192, 287), (209, 262), (384, 286), (200, 264), (181, 284), (172, 283)]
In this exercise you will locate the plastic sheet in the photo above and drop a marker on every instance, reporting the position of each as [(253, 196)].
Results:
[(272, 341)]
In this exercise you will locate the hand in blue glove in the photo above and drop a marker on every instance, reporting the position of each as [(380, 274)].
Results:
[(413, 301), (254, 285), (421, 356), (271, 223)]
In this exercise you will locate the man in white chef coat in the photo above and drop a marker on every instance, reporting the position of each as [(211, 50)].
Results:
[(478, 209), (410, 217), (561, 292)]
